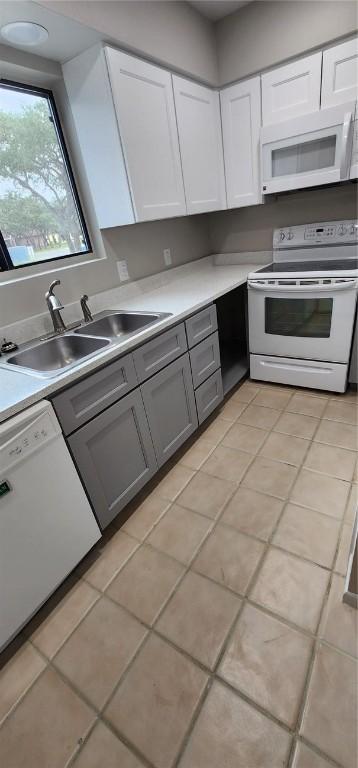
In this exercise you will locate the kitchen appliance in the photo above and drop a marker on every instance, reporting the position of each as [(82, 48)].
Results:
[(302, 306), (46, 522), (308, 151)]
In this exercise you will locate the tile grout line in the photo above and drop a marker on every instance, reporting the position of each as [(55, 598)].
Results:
[(187, 569)]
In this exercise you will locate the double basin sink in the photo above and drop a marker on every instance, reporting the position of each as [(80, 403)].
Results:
[(54, 356)]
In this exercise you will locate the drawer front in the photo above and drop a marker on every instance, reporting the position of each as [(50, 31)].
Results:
[(205, 359), (313, 374), (209, 395), (156, 354), (201, 325), (89, 397)]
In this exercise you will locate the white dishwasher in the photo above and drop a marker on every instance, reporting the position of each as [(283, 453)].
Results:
[(46, 522)]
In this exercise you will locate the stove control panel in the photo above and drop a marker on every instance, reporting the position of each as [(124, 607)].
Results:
[(324, 233)]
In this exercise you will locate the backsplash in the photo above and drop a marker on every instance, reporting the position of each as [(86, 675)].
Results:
[(251, 228)]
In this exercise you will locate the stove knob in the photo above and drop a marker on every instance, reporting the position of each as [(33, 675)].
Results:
[(341, 230), (282, 235), (290, 236), (353, 229)]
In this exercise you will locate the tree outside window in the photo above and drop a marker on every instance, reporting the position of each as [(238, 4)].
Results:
[(40, 214)]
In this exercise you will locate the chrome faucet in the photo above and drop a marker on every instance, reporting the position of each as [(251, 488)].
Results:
[(54, 306), (87, 315)]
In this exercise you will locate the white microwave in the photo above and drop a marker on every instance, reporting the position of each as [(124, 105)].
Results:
[(308, 151)]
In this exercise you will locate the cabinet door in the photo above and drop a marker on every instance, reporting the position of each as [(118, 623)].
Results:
[(114, 456), (89, 92), (291, 90), (241, 116), (340, 74), (170, 407), (200, 139), (144, 103)]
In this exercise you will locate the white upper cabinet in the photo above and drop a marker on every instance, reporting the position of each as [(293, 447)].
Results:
[(200, 139), (124, 113), (241, 121), (90, 96), (340, 74), (144, 104), (291, 90)]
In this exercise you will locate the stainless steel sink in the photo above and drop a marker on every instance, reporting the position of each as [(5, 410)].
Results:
[(56, 355), (116, 324)]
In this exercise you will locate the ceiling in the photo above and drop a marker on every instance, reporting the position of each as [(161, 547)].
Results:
[(217, 9), (66, 39)]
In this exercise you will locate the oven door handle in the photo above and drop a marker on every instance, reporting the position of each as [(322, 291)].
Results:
[(347, 285)]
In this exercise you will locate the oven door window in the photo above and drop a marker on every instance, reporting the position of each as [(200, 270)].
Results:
[(306, 318)]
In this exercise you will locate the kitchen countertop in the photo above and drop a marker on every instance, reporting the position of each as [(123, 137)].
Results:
[(181, 291)]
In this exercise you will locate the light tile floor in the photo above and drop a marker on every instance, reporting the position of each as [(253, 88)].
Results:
[(208, 631)]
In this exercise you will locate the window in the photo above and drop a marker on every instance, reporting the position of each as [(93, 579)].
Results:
[(40, 214)]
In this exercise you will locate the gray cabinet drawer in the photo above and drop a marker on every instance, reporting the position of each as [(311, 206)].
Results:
[(209, 395), (114, 455), (201, 325), (170, 407), (153, 356), (89, 397), (205, 359)]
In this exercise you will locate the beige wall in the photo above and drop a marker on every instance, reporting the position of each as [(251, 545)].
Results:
[(141, 244), (250, 229), (173, 33), (262, 34)]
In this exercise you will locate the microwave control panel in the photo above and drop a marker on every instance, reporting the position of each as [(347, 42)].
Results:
[(327, 233)]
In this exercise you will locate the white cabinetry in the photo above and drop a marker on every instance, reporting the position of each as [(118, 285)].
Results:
[(144, 103), (291, 90), (241, 120), (89, 92), (340, 74), (200, 139), (340, 85), (124, 113)]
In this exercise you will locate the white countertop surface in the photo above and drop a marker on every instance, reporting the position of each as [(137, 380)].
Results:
[(181, 291)]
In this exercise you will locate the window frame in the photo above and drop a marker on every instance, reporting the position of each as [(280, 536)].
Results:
[(6, 264)]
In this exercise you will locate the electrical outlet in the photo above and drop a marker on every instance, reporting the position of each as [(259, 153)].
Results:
[(167, 257), (122, 270)]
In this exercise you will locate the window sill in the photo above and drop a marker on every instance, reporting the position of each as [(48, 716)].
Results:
[(22, 274)]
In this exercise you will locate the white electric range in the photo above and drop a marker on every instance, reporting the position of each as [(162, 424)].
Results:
[(302, 307)]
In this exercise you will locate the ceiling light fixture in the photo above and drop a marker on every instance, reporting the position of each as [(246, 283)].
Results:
[(24, 33)]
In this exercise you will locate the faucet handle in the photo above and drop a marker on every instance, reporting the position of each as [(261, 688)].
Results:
[(87, 314)]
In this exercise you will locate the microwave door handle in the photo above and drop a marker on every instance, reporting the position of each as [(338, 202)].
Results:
[(301, 288), (346, 129)]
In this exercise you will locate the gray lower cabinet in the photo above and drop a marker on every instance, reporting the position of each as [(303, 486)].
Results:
[(114, 455), (209, 395), (79, 403), (205, 359), (201, 325), (170, 407)]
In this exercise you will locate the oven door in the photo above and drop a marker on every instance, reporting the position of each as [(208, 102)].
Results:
[(302, 318), (307, 151)]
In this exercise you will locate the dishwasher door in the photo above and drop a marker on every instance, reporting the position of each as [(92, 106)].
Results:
[(46, 522)]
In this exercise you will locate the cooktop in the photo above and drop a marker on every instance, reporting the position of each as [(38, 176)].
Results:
[(311, 266)]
